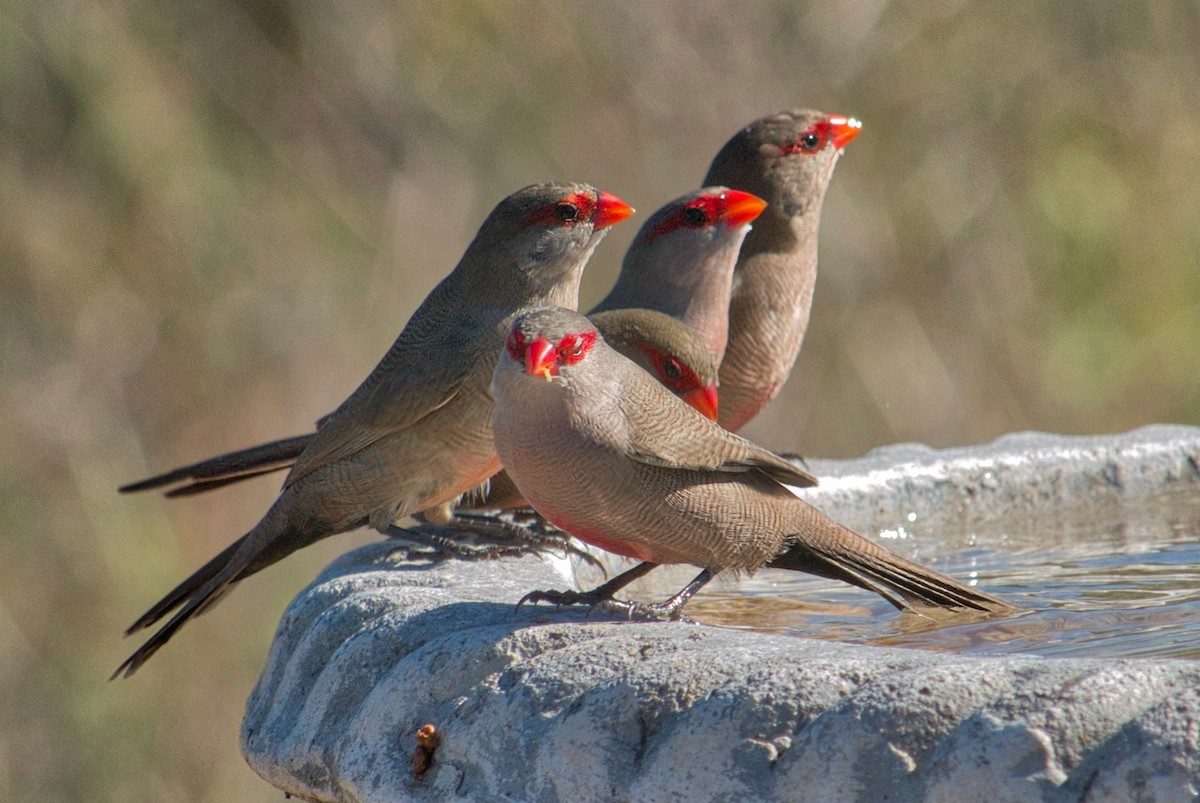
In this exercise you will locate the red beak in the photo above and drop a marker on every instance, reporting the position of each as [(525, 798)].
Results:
[(610, 210), (844, 130), (741, 207), (541, 359), (704, 399)]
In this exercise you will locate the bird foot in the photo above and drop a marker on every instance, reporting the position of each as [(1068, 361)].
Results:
[(505, 535), (562, 598), (440, 543), (663, 611), (531, 532), (598, 602)]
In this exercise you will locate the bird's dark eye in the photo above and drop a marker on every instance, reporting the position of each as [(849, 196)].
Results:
[(567, 213), (695, 217), (810, 141), (570, 348), (671, 369), (573, 348)]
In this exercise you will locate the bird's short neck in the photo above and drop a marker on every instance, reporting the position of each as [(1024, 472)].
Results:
[(781, 258), (503, 292), (690, 285), (564, 292)]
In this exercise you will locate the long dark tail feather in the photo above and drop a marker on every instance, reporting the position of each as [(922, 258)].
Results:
[(224, 469), (203, 599), (847, 556), (271, 540), (187, 589), (201, 486), (199, 592)]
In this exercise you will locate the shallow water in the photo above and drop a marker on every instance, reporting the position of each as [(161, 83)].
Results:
[(1116, 584)]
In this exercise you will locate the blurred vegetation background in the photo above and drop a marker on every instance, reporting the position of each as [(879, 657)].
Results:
[(215, 217)]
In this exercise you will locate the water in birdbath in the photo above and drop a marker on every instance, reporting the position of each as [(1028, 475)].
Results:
[(1113, 583)]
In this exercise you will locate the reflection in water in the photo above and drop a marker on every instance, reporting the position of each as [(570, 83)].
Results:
[(1090, 588)]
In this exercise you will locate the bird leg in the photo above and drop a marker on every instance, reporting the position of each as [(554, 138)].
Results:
[(670, 610), (441, 542), (446, 540), (515, 532), (523, 525), (597, 596)]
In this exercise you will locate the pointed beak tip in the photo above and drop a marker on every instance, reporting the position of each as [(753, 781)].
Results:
[(539, 358), (844, 129), (610, 210), (703, 400), (742, 207)]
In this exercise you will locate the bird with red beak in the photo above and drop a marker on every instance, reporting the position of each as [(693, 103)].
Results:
[(667, 312), (417, 433), (787, 159), (666, 485)]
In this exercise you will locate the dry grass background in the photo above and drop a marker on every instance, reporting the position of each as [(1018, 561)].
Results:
[(214, 218)]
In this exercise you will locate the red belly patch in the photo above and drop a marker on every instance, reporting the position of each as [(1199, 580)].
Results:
[(617, 546)]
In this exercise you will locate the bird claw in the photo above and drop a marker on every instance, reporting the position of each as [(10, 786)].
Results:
[(439, 543), (552, 597), (663, 611), (531, 532)]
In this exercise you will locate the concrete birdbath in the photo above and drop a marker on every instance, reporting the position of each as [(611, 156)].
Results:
[(789, 688)]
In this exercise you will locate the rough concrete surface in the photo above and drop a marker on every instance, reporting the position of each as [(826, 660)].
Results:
[(542, 704)]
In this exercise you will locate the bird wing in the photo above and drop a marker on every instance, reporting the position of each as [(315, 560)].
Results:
[(417, 377), (666, 432)]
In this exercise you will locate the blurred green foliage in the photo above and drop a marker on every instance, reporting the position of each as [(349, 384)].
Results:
[(214, 217)]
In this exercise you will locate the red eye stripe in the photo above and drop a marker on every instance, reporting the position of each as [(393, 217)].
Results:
[(686, 379), (515, 345), (702, 212), (573, 348), (568, 211), (836, 130), (811, 141)]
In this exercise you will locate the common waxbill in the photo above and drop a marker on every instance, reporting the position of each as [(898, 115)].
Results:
[(663, 347), (679, 265), (605, 453), (417, 433), (788, 160)]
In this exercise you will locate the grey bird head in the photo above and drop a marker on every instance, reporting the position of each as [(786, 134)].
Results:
[(786, 158), (544, 227), (681, 261), (702, 216), (667, 349), (548, 342)]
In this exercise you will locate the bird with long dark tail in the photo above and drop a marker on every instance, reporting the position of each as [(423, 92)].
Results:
[(605, 453), (667, 312), (417, 433)]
